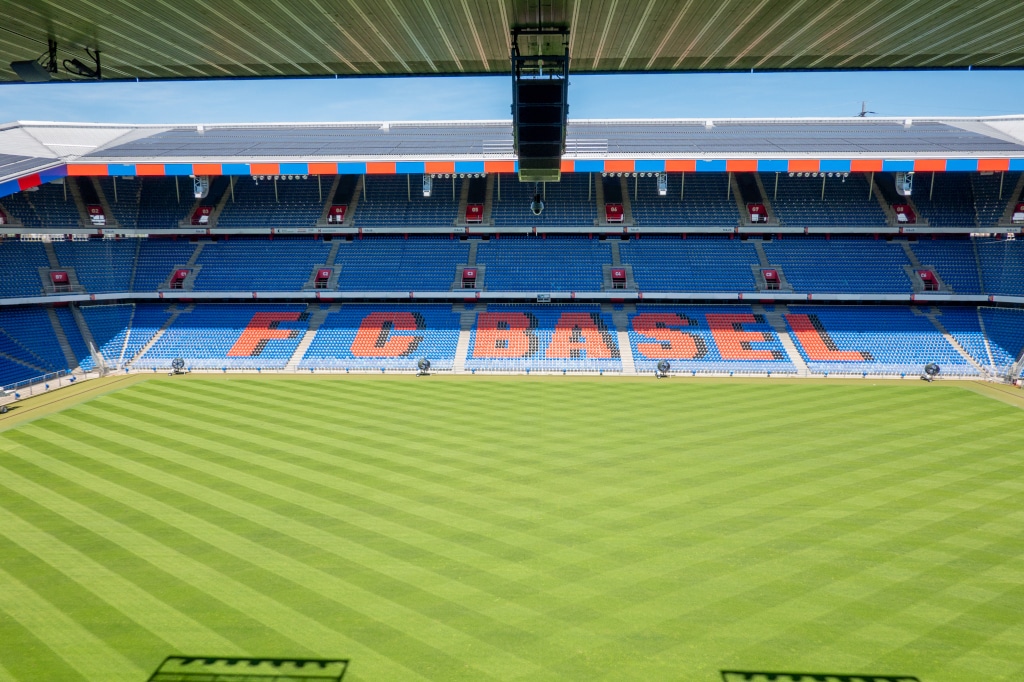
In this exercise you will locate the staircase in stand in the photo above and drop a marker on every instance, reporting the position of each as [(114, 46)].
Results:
[(62, 340), (776, 319), (90, 342), (620, 316), (83, 213), (108, 212), (160, 332), (627, 203), (933, 317), (317, 314), (1007, 218)]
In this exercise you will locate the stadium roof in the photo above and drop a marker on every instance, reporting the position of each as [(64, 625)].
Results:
[(157, 39), (35, 152)]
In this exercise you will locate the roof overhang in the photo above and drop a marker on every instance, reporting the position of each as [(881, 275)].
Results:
[(631, 146), (199, 39)]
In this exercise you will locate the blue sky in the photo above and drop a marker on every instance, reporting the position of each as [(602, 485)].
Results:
[(927, 93)]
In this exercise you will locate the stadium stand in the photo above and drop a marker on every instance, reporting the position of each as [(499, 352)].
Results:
[(157, 257), (29, 337), (988, 205), (872, 340), (706, 339), (146, 321), (424, 263), (110, 326), (272, 203), (162, 203), (376, 337), (1004, 328), (396, 201), (1002, 265), (123, 198), (840, 264), (674, 264), (524, 338), (257, 263), (235, 336), (75, 339), (964, 325), (21, 262), (704, 202), (798, 201), (566, 202), (953, 260), (101, 264), (945, 199), (544, 263), (53, 207), (18, 206)]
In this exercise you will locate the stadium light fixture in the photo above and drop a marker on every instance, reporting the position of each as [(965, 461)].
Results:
[(75, 67), (34, 71)]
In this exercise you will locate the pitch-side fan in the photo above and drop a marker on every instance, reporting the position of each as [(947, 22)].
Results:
[(422, 367), (178, 366), (931, 370), (663, 367)]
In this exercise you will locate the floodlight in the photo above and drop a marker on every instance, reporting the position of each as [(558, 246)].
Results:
[(32, 71)]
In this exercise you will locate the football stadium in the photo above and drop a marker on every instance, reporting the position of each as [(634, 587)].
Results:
[(539, 398)]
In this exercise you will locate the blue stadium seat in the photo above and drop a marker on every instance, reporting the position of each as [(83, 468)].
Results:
[(372, 337)]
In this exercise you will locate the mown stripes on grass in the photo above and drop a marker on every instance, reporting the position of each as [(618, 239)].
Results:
[(504, 529)]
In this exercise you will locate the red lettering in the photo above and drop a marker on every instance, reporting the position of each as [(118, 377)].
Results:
[(375, 338), (579, 335), (733, 342), (817, 343), (505, 335), (262, 328), (672, 343)]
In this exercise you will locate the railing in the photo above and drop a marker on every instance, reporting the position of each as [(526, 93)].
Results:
[(43, 384)]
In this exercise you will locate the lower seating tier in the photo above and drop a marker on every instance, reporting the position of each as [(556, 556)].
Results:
[(694, 339)]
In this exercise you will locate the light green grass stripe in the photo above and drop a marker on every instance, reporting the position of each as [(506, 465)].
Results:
[(181, 632), (416, 451), (324, 541), (348, 487), (303, 634), (82, 650), (403, 619), (348, 506)]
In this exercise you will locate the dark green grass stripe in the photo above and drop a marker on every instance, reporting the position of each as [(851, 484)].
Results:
[(294, 536), (679, 527), (27, 658), (241, 482), (221, 550), (179, 484), (51, 626), (100, 594), (308, 474), (194, 561)]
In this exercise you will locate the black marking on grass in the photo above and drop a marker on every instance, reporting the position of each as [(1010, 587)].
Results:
[(759, 676), (242, 669)]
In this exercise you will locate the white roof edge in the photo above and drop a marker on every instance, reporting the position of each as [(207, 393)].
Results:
[(504, 122)]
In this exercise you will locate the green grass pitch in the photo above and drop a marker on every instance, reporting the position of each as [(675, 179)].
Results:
[(517, 528)]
